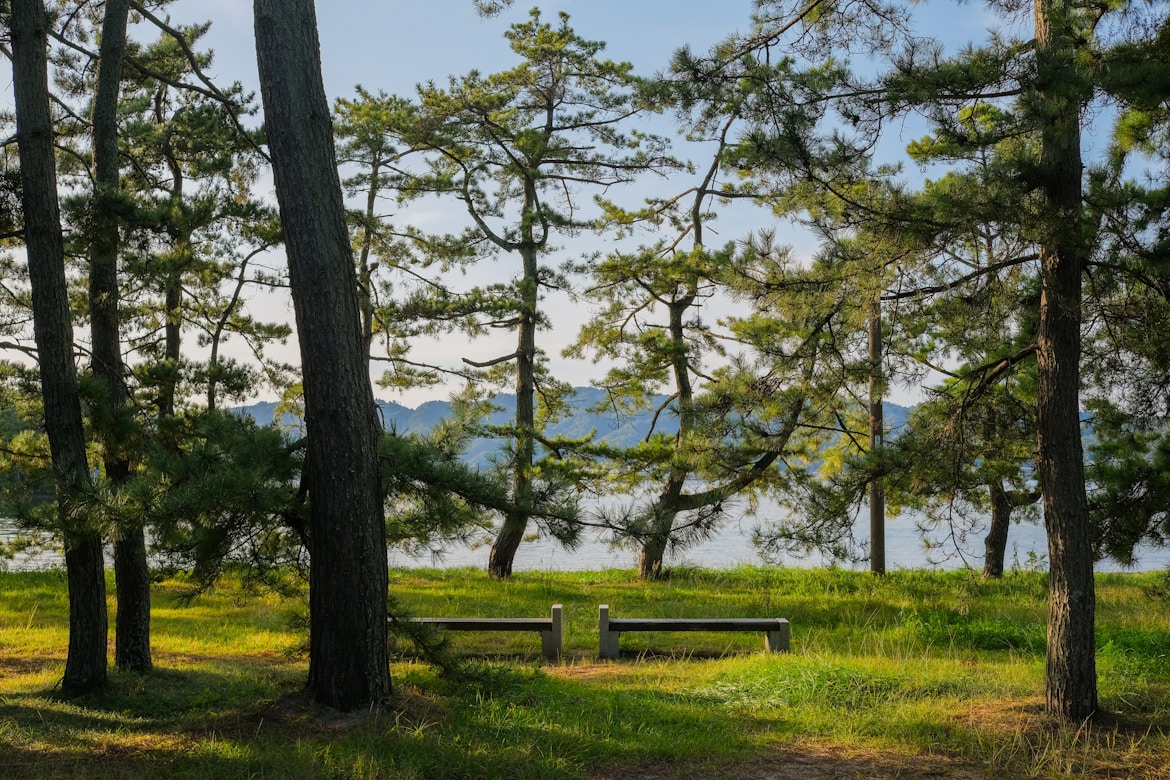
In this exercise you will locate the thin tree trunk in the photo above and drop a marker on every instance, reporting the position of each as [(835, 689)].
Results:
[(667, 505), (669, 502), (173, 345), (348, 579), (85, 664), (508, 540), (132, 576), (877, 433), (365, 272), (1071, 663)]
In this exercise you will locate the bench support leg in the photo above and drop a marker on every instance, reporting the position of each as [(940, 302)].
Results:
[(608, 645), (777, 641), (552, 640)]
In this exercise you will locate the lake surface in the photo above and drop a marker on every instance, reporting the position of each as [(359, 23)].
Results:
[(730, 547)]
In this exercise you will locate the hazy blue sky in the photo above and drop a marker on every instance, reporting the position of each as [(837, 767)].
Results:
[(392, 46)]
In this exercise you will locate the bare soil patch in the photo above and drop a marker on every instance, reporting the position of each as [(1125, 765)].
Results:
[(808, 763)]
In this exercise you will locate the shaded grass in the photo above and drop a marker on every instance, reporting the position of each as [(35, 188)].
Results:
[(916, 673)]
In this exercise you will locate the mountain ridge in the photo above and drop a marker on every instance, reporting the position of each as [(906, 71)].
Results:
[(618, 431)]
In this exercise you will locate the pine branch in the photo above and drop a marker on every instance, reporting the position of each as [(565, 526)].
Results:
[(209, 89), (491, 363), (922, 292)]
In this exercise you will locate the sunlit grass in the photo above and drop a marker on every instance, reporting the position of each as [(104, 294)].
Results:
[(917, 673)]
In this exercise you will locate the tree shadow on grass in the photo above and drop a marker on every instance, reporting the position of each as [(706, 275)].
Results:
[(249, 719), (140, 720)]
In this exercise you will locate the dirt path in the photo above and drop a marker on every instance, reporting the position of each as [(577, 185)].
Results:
[(811, 764)]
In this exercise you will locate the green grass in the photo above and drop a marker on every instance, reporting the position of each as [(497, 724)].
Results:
[(915, 674)]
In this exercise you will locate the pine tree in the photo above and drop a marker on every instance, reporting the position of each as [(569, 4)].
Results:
[(85, 665), (348, 578), (967, 303), (1045, 84), (512, 148), (719, 433)]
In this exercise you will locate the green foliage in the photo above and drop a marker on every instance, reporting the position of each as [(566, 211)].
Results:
[(433, 499), (512, 149), (751, 392), (1129, 470), (225, 496), (229, 496), (504, 146), (191, 228)]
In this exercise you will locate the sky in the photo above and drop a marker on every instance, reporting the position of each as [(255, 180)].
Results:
[(395, 45), (392, 46)]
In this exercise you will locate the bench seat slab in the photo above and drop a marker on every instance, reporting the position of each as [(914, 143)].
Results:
[(551, 628), (776, 630)]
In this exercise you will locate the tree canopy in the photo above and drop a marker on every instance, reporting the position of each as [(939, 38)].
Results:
[(754, 305)]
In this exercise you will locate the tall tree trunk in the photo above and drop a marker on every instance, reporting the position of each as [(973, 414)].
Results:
[(877, 433), (348, 580), (667, 505), (85, 665), (1071, 664), (85, 573), (670, 500), (508, 540), (172, 284), (132, 586), (132, 576)]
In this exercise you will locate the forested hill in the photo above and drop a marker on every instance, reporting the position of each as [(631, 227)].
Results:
[(619, 431)]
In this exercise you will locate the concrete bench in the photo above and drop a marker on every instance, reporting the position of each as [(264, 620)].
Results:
[(550, 628), (776, 631)]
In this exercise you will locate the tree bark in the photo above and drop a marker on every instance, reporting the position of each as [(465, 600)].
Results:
[(1071, 664), (131, 573), (348, 581), (654, 548), (995, 543), (132, 586), (503, 552), (85, 573), (508, 540), (668, 504), (85, 664), (877, 435), (1003, 503)]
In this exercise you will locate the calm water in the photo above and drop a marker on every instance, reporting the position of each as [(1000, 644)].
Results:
[(730, 547)]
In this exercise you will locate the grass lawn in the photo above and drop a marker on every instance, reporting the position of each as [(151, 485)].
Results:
[(914, 675)]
